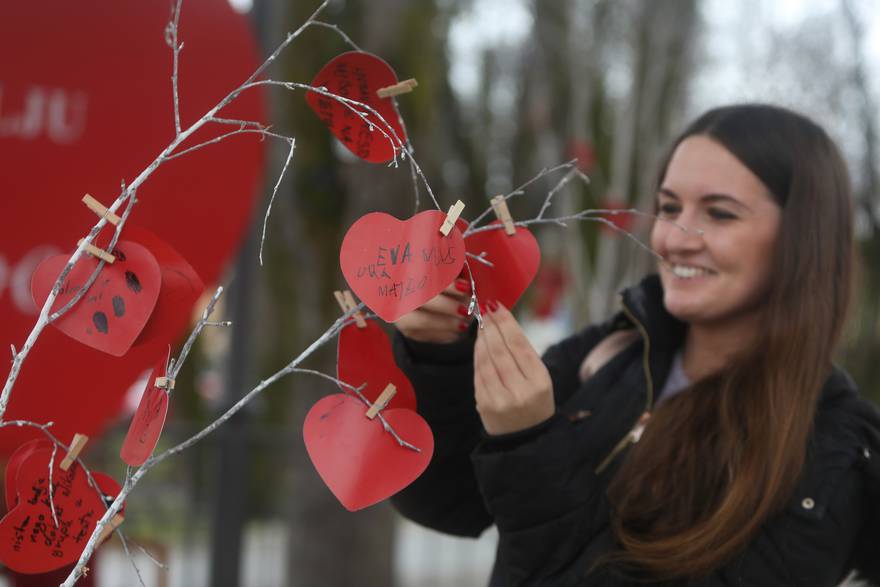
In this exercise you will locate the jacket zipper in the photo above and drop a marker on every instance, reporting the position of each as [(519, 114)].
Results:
[(635, 433)]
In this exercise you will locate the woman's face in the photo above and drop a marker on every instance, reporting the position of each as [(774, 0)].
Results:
[(718, 269)]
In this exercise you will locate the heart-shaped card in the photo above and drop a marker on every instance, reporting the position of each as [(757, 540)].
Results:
[(515, 260), (119, 303), (358, 76), (149, 418), (394, 266), (29, 540), (364, 357), (357, 459)]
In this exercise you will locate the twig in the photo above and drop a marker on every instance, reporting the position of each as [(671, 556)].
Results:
[(339, 32), (522, 189), (171, 39), (272, 199)]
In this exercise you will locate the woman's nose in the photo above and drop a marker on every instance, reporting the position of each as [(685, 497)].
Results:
[(684, 235)]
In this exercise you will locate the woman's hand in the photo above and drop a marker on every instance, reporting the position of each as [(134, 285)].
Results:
[(442, 319), (512, 386)]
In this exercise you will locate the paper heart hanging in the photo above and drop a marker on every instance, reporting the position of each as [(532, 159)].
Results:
[(364, 357), (116, 308), (358, 76), (515, 260), (146, 425), (394, 266), (357, 459), (181, 287), (20, 455), (29, 540)]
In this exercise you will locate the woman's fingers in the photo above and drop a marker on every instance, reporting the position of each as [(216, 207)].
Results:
[(498, 352), (441, 319), (513, 389), (523, 354)]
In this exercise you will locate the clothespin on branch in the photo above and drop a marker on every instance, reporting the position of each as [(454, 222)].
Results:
[(165, 383), (403, 87), (382, 401), (99, 209), (347, 303), (76, 446), (451, 217), (499, 205), (96, 252), (110, 527)]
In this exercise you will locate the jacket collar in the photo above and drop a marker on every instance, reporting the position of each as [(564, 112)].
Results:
[(643, 303)]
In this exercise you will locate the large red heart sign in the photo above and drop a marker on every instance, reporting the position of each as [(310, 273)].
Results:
[(357, 459), (515, 259), (29, 540), (358, 76), (117, 306), (394, 266), (86, 103), (146, 426), (364, 357)]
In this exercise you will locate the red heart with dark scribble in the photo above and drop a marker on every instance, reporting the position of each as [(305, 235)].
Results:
[(181, 287), (357, 459), (358, 76), (364, 357), (29, 540), (515, 260), (117, 306), (394, 266), (149, 419)]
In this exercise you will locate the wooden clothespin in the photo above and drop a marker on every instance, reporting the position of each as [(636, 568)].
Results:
[(451, 217), (76, 446), (382, 401), (165, 383), (96, 252), (110, 527), (499, 205), (347, 303), (99, 209), (403, 87)]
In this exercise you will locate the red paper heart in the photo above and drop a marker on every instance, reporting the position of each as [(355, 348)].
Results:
[(515, 260), (360, 462), (29, 541), (181, 287), (20, 455), (358, 76), (117, 306), (394, 266), (364, 357), (146, 425)]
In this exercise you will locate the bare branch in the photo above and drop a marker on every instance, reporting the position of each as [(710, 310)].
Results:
[(272, 199)]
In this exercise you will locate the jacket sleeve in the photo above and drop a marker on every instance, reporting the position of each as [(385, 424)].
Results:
[(446, 497)]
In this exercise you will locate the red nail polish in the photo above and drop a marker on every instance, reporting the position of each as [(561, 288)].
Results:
[(462, 311), (493, 305), (463, 286), (483, 309)]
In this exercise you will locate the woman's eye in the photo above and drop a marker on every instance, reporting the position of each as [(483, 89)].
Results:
[(719, 214), (669, 209)]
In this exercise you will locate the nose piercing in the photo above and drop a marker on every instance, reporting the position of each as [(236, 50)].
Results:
[(700, 231)]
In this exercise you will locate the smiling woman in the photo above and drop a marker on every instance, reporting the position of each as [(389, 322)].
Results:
[(702, 435)]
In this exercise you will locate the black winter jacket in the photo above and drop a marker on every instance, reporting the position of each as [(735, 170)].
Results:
[(542, 490)]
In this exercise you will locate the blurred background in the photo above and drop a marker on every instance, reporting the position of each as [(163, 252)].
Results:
[(506, 88)]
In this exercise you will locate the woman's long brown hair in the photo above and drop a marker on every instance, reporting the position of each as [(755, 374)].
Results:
[(718, 460)]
